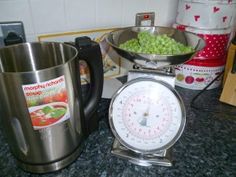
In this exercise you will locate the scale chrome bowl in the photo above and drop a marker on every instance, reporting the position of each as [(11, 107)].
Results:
[(119, 36)]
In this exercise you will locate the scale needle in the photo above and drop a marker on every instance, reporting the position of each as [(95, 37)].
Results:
[(143, 121)]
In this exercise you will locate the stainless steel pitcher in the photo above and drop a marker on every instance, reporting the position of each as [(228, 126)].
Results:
[(42, 111)]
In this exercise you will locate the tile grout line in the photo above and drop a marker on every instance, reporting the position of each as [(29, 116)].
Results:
[(31, 19)]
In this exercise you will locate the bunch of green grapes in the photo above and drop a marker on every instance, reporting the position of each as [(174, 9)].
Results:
[(155, 44)]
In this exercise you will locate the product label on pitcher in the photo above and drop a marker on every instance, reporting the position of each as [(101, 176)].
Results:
[(47, 102)]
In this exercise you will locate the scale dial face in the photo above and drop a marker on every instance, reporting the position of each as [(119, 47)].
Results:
[(147, 115)]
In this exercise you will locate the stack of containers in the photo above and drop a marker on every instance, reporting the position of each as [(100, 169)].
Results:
[(211, 20)]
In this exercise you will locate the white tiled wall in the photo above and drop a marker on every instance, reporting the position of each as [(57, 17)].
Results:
[(53, 16)]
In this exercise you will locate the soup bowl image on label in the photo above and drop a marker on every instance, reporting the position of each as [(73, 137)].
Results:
[(47, 115)]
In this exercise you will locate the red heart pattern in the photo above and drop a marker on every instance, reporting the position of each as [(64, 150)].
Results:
[(181, 27), (216, 9), (196, 17), (206, 15), (224, 18), (187, 6)]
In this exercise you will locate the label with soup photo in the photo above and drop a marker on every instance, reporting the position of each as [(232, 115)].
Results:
[(47, 102)]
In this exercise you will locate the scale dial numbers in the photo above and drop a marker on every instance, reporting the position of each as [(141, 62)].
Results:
[(146, 115)]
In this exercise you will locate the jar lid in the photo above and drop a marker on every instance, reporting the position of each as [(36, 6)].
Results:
[(202, 31)]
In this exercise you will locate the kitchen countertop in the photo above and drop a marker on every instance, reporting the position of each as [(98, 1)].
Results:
[(206, 148)]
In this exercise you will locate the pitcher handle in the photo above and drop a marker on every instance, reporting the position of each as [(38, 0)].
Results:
[(90, 52)]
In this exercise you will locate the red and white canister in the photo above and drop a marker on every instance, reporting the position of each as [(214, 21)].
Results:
[(197, 77), (206, 14), (196, 74), (216, 41)]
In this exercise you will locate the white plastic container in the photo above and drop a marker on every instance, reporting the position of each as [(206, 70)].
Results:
[(206, 14), (197, 77)]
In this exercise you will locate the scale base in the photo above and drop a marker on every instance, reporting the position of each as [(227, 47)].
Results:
[(162, 158)]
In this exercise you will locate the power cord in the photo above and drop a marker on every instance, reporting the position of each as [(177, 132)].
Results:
[(207, 109)]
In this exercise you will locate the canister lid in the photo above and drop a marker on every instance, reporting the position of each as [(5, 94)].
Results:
[(202, 31), (207, 63), (211, 1)]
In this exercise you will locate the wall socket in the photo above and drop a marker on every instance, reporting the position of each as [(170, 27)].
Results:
[(12, 27)]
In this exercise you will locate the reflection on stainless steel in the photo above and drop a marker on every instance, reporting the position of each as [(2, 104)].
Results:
[(50, 148), (117, 37), (162, 64), (162, 158)]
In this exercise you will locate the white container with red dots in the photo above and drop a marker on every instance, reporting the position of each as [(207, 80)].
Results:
[(216, 41), (206, 14)]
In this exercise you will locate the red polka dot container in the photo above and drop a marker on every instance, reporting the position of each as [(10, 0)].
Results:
[(216, 41), (216, 46)]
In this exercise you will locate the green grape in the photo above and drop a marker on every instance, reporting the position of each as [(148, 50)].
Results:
[(155, 44)]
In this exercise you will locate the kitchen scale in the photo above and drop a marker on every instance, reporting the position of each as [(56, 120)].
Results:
[(147, 115)]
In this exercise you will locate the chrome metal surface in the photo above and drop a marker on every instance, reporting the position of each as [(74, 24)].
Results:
[(161, 158), (145, 19), (119, 36), (155, 74), (31, 63), (172, 141), (54, 166)]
